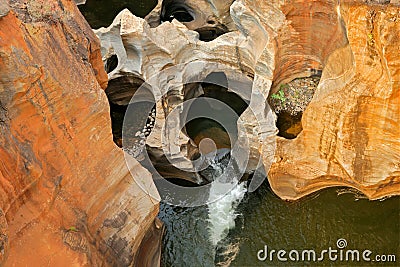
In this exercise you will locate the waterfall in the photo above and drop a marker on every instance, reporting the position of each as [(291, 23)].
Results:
[(222, 212), (225, 195)]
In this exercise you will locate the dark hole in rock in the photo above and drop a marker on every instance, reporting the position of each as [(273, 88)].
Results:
[(181, 15), (201, 128), (117, 113), (208, 34), (119, 93), (289, 102), (111, 63), (220, 121), (289, 125), (121, 90), (178, 11)]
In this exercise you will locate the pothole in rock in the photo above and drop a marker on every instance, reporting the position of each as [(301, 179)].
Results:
[(290, 101), (209, 118), (111, 63), (220, 122), (141, 122), (196, 16)]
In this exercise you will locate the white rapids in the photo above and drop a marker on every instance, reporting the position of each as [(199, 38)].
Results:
[(224, 197)]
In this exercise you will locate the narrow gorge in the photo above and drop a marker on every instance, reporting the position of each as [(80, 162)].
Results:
[(196, 132)]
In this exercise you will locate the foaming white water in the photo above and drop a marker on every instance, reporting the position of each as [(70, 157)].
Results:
[(222, 212), (224, 197)]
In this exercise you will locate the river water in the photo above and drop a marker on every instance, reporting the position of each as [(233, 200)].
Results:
[(233, 230), (314, 222)]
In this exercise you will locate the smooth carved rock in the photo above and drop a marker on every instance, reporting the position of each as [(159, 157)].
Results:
[(160, 55), (351, 134), (209, 18), (304, 45), (350, 131), (61, 176)]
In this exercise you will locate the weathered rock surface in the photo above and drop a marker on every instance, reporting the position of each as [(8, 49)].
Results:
[(351, 134), (350, 131), (66, 195), (170, 57), (4, 8)]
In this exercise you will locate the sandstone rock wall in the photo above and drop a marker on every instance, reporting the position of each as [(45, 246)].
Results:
[(350, 131), (66, 195), (311, 32), (351, 134)]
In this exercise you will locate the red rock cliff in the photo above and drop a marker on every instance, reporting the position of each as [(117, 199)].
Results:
[(66, 195)]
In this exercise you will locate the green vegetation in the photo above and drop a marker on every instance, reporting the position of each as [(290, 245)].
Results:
[(73, 229), (280, 95)]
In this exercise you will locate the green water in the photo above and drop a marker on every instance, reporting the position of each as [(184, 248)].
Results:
[(315, 222)]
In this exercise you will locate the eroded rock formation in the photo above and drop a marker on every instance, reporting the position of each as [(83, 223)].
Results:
[(66, 195), (156, 54), (350, 133)]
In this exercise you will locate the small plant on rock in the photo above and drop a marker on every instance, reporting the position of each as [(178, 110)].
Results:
[(280, 95), (73, 229)]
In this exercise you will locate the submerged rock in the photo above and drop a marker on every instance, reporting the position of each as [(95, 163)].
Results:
[(62, 180)]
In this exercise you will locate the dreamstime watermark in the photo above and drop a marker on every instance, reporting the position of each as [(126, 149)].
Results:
[(334, 254)]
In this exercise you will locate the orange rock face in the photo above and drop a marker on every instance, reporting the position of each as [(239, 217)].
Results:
[(310, 33), (351, 133), (66, 195)]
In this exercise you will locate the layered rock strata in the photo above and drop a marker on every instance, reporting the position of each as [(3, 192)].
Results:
[(66, 195), (351, 134)]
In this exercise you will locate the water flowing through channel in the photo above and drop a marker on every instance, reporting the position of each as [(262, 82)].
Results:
[(209, 225), (225, 195)]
